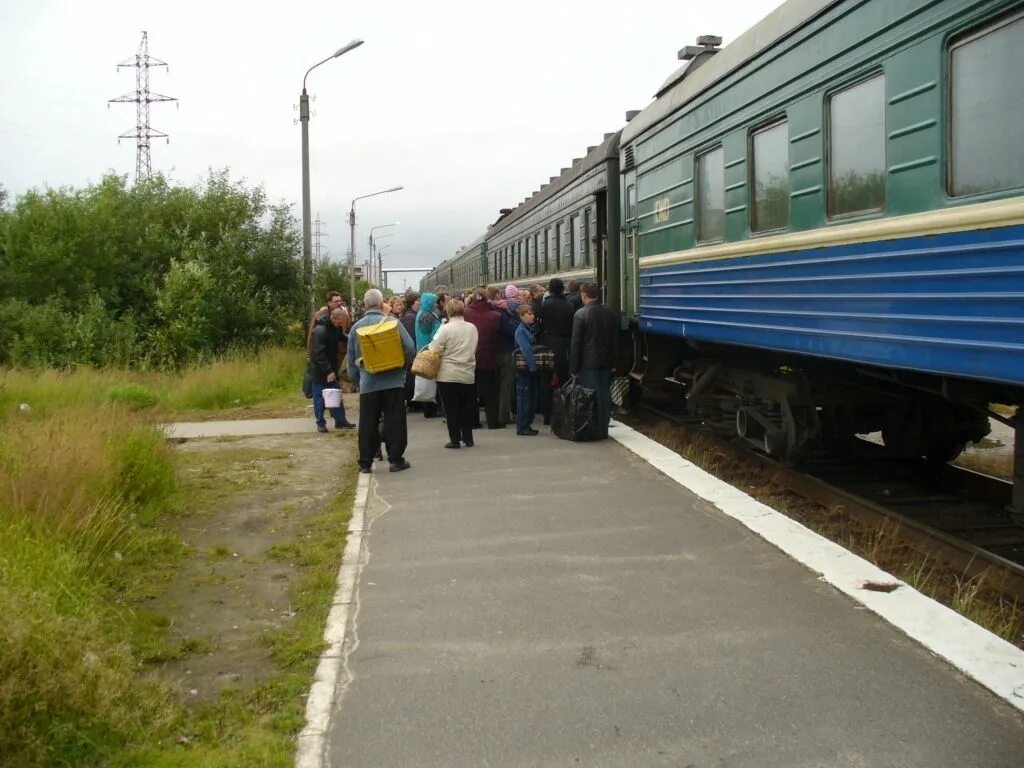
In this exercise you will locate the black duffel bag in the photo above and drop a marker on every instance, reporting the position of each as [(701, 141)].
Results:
[(574, 412)]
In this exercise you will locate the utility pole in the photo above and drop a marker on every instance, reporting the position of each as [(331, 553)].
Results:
[(142, 97)]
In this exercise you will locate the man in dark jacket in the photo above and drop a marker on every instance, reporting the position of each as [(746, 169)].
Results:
[(481, 313), (573, 296), (556, 319), (325, 366), (595, 336)]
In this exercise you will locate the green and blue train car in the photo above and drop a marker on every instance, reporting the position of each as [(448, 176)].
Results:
[(822, 223), (820, 226)]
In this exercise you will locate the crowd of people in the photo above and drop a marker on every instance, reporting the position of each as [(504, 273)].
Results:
[(506, 351)]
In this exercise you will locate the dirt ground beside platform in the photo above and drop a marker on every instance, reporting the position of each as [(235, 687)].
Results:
[(249, 498)]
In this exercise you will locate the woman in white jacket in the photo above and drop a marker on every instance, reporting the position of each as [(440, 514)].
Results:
[(456, 343)]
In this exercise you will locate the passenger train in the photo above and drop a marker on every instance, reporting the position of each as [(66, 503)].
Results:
[(818, 229)]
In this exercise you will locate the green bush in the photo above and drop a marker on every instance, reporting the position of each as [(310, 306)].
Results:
[(146, 275), (133, 395)]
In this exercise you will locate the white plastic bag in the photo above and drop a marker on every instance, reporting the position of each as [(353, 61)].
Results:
[(424, 391)]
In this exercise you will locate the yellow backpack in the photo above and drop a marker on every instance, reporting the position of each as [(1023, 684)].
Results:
[(381, 346)]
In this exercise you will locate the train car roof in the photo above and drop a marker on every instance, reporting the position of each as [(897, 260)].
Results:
[(472, 246), (606, 150), (763, 35)]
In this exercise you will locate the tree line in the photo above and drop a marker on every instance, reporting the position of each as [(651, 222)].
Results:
[(149, 275)]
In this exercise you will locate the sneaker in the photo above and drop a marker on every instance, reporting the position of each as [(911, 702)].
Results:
[(452, 445), (321, 427), (344, 425), (528, 431), (365, 470), (398, 466), (470, 443)]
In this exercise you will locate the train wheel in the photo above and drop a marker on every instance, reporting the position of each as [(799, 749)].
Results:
[(775, 443), (742, 424)]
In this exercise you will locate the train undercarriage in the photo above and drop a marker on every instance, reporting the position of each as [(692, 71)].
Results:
[(790, 405)]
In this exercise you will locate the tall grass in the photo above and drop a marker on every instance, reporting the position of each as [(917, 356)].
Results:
[(240, 378), (83, 473), (78, 486)]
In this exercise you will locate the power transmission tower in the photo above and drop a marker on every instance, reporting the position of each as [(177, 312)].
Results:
[(142, 97), (319, 250)]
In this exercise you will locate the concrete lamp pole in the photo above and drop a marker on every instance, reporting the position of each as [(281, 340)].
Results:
[(307, 234), (373, 263), (372, 230), (352, 230), (380, 265)]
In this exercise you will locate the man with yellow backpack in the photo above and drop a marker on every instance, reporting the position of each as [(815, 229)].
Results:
[(379, 352)]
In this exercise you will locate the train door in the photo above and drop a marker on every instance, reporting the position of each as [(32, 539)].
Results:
[(596, 250), (630, 289)]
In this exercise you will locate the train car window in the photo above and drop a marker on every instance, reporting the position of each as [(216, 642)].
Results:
[(770, 167), (711, 195), (588, 227), (631, 202), (574, 223), (547, 248), (986, 101), (558, 246), (856, 148)]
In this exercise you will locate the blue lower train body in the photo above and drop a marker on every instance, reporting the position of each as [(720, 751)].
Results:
[(949, 304)]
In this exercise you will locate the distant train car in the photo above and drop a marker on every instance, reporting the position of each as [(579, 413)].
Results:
[(562, 230), (823, 223)]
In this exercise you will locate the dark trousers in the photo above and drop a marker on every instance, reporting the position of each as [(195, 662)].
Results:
[(487, 388), (544, 397), (526, 399), (560, 346), (600, 380), (506, 385), (459, 402), (372, 405)]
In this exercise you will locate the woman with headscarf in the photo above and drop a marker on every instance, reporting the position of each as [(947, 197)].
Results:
[(427, 326)]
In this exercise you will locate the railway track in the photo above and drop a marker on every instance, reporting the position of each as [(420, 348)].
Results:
[(954, 515)]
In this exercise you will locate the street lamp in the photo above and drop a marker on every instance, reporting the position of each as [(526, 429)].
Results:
[(373, 248), (372, 229), (380, 265), (307, 234), (352, 230)]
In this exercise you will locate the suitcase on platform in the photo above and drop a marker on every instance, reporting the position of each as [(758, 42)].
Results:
[(381, 346), (574, 412)]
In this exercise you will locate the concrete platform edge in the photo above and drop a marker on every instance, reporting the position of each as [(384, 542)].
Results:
[(976, 652), (311, 744)]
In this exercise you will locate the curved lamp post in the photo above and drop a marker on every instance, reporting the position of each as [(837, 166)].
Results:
[(372, 230), (352, 230), (307, 235)]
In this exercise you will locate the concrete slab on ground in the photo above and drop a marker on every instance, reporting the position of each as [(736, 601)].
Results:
[(532, 602), (239, 428)]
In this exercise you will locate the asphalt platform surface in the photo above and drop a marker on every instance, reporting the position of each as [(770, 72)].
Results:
[(532, 602)]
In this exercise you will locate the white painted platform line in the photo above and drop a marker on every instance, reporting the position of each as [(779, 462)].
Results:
[(990, 660), (312, 740)]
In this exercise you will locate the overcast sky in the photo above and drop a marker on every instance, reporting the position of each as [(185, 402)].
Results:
[(469, 105)]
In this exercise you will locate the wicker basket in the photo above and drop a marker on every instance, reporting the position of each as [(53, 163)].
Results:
[(426, 364)]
